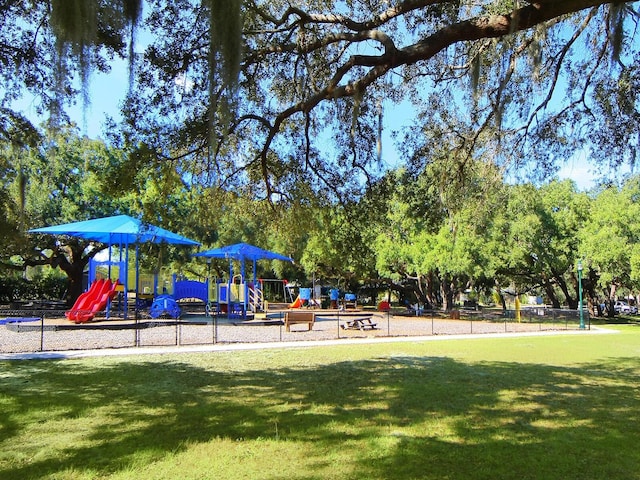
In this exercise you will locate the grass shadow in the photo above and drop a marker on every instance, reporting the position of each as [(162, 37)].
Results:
[(397, 416)]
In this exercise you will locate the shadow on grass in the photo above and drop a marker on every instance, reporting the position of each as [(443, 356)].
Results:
[(404, 416)]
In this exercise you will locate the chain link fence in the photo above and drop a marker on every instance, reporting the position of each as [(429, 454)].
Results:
[(25, 331)]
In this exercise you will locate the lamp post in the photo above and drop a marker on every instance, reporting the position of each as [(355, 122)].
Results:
[(580, 294)]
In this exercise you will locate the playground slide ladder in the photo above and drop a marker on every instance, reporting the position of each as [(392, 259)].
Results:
[(289, 293), (256, 299)]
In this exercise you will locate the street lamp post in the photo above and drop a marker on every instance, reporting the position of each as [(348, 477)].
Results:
[(580, 294)]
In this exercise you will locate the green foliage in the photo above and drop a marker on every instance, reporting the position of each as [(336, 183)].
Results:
[(57, 182), (41, 287), (64, 180), (337, 249), (271, 92), (609, 237)]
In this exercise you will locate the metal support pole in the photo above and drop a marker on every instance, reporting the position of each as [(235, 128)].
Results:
[(580, 294)]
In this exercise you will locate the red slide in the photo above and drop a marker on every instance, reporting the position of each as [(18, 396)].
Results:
[(87, 298), (297, 303), (93, 303)]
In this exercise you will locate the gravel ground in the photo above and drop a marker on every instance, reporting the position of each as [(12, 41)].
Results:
[(55, 334)]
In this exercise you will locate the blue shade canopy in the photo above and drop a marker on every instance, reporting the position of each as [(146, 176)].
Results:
[(120, 229), (242, 251)]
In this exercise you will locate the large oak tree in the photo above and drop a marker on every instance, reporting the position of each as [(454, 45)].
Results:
[(274, 92)]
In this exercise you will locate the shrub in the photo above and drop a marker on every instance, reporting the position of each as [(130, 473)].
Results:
[(49, 287)]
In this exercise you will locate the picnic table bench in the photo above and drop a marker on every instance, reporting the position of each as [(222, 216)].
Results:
[(299, 316), (360, 323)]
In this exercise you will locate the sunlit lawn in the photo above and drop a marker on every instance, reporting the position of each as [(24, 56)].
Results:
[(564, 407)]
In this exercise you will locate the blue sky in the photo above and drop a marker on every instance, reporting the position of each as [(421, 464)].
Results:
[(579, 170)]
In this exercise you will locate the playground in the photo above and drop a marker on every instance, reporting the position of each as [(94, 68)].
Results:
[(124, 306), (117, 288), (169, 296)]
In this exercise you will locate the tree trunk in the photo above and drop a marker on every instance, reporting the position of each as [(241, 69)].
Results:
[(503, 302), (71, 261), (572, 302), (551, 294), (75, 288), (446, 287), (611, 300)]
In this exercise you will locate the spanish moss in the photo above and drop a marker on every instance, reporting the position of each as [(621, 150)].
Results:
[(75, 25), (225, 53)]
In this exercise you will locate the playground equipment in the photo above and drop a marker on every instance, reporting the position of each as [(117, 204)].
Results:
[(165, 305), (245, 299), (350, 300), (120, 230), (232, 298), (92, 301), (297, 303), (334, 296), (85, 299), (235, 297), (303, 298)]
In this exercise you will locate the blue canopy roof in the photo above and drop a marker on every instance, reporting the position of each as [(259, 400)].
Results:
[(119, 229), (242, 251)]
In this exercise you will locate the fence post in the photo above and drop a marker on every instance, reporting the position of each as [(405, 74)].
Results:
[(389, 323), (42, 332), (136, 329), (432, 323)]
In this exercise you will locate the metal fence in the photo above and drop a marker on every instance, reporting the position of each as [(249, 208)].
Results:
[(24, 331)]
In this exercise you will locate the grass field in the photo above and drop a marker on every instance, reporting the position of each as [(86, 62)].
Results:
[(552, 407)]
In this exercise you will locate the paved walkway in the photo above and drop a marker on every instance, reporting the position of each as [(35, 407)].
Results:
[(222, 347)]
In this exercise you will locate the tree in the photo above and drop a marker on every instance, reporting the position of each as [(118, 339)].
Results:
[(337, 250), (286, 103), (9, 214), (537, 239), (236, 91), (413, 213), (321, 74), (567, 211), (57, 182), (435, 232), (609, 239)]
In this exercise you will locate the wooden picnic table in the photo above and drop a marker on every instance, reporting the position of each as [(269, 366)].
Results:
[(360, 323)]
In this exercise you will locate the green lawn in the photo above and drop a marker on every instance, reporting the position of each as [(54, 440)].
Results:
[(564, 407)]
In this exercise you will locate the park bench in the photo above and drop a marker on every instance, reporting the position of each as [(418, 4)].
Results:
[(299, 316)]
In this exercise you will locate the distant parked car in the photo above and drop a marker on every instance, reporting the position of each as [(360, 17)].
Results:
[(623, 307)]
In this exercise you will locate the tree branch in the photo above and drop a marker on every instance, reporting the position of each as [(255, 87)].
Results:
[(482, 27)]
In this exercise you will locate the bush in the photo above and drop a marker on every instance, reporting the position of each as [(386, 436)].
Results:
[(10, 289), (13, 288)]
